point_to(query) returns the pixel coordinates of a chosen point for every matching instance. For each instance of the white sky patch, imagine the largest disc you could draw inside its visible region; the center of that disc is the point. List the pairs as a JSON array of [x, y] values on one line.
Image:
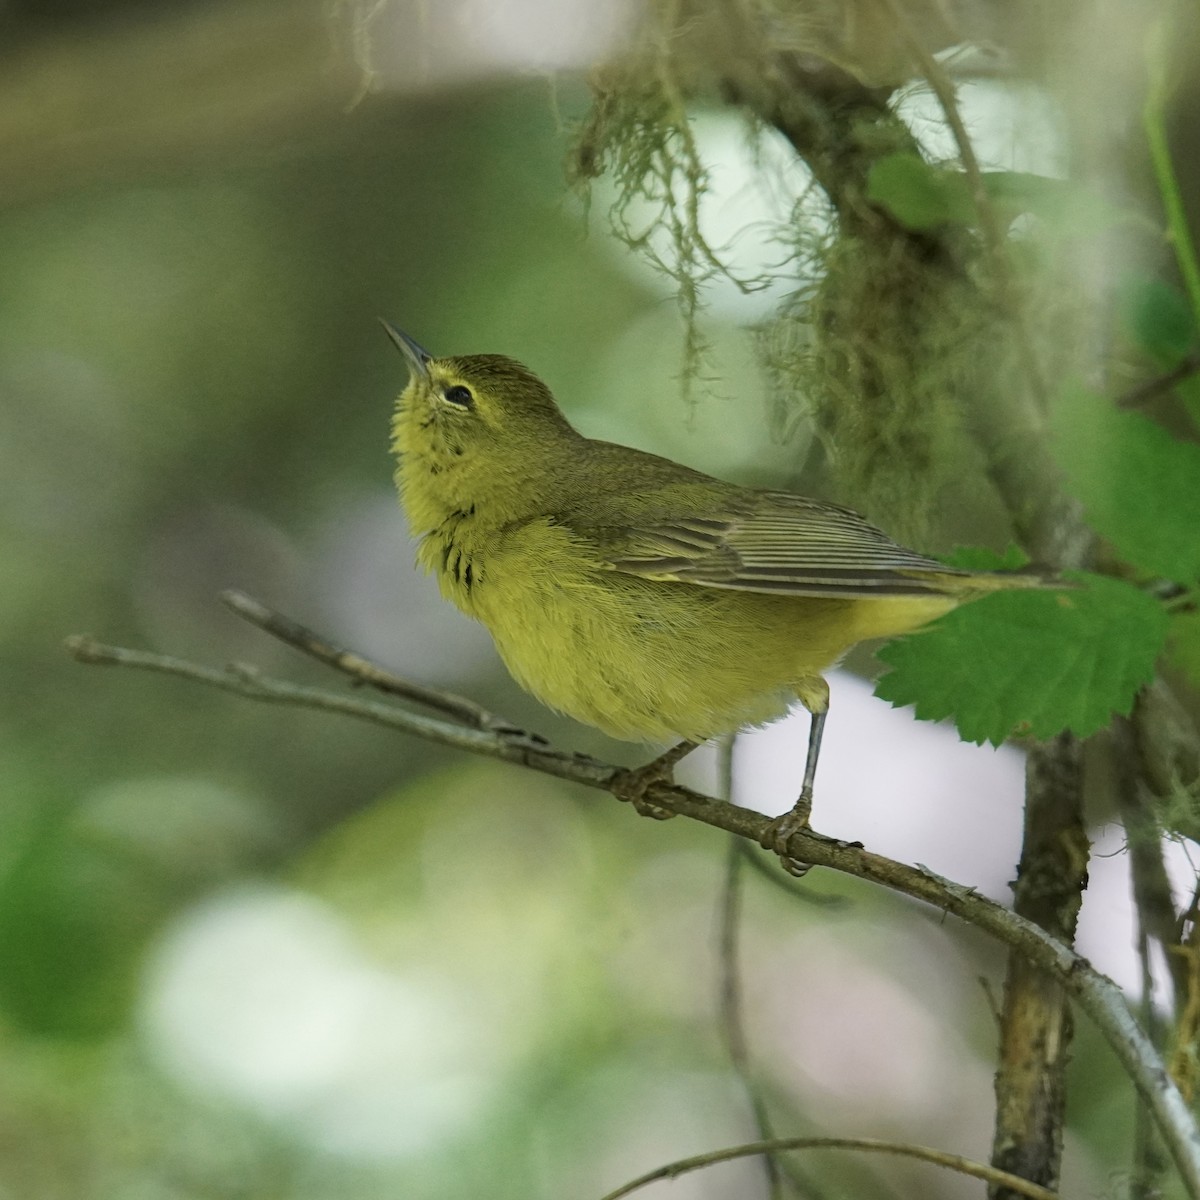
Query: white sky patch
[[1107, 933], [1013, 126], [753, 186], [415, 45], [543, 34], [911, 790]]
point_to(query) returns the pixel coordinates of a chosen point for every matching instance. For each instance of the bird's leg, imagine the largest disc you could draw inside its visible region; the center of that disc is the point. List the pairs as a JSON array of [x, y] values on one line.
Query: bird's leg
[[633, 785], [814, 697]]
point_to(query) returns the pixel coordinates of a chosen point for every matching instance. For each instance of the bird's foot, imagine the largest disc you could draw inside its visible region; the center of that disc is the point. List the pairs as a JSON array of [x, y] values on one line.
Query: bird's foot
[[779, 832], [633, 786], [777, 835]]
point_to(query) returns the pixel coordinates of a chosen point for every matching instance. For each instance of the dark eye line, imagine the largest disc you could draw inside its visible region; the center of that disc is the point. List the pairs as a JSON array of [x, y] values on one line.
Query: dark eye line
[[458, 395]]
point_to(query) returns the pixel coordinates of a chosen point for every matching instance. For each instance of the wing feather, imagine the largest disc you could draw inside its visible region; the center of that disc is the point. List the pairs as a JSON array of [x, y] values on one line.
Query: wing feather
[[776, 542]]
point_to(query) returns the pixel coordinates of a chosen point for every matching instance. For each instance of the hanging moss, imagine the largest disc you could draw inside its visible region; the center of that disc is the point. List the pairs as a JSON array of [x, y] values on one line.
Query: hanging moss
[[639, 134], [893, 333], [850, 349]]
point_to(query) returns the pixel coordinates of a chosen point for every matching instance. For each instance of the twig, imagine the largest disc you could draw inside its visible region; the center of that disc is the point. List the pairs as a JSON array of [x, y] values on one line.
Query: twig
[[1182, 1063], [360, 669], [1144, 392], [1154, 123], [1154, 903], [741, 855], [993, 234], [1149, 1164], [1097, 995], [1158, 923], [952, 1162], [730, 999], [248, 681]]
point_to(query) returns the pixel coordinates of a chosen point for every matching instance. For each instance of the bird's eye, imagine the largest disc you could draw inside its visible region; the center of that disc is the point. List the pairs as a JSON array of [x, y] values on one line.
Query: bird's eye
[[458, 395]]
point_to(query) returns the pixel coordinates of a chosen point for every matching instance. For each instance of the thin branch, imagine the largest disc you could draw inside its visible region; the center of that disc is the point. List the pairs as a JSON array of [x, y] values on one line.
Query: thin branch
[[1153, 899], [943, 88], [952, 1162], [1144, 392], [1149, 1163], [993, 233], [1154, 123], [360, 669], [245, 680], [730, 999], [732, 1025], [1096, 994], [1182, 1063]]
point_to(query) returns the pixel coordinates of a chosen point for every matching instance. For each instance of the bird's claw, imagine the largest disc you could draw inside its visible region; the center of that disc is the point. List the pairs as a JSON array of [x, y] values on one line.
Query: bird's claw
[[779, 832], [632, 787], [776, 837]]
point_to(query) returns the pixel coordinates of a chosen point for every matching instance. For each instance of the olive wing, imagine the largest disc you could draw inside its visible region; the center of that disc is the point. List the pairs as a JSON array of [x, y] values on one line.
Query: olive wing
[[776, 543]]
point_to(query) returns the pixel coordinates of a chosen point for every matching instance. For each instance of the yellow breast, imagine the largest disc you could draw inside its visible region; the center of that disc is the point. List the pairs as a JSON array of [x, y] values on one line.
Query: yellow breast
[[641, 659]]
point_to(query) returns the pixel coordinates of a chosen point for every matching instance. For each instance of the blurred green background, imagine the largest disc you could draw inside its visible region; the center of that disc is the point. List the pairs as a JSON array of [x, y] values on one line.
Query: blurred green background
[[256, 952]]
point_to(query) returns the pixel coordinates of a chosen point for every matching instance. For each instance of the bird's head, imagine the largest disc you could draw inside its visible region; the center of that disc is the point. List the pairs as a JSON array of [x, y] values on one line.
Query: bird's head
[[479, 403], [476, 430]]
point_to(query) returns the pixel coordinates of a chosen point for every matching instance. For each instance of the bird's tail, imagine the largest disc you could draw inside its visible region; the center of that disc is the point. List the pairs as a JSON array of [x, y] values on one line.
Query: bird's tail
[[979, 583]]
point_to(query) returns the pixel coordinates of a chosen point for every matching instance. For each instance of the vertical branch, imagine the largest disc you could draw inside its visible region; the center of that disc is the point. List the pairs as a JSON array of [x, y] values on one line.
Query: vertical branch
[[1035, 1034], [1151, 887], [1182, 1065], [731, 983], [1149, 1162], [1158, 924], [731, 1010], [1036, 1026], [1154, 124]]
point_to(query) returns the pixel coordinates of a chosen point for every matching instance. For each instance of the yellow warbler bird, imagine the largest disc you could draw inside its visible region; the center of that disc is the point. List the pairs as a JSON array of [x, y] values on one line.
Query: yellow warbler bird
[[632, 593]]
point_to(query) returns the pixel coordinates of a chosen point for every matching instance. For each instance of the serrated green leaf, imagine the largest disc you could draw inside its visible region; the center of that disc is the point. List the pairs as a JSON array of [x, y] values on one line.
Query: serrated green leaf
[[918, 195], [979, 558], [1184, 644], [1139, 485], [1037, 662], [1157, 318]]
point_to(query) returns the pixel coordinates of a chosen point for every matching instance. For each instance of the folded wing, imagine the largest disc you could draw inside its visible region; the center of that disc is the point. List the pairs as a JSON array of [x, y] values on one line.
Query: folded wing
[[776, 542]]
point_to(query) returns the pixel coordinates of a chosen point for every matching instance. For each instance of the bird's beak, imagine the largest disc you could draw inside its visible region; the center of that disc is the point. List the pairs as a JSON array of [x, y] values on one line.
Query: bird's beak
[[418, 359]]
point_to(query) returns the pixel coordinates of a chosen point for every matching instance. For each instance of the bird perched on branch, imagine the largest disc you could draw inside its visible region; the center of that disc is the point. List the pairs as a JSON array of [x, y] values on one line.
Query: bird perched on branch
[[633, 593]]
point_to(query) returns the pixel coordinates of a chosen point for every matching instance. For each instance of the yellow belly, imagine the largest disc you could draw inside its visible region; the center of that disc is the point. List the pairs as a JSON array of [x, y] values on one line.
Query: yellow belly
[[653, 661]]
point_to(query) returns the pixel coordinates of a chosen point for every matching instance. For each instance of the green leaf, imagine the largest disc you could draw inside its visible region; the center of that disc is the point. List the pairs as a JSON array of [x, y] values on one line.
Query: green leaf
[[918, 195], [922, 196], [1157, 318], [1037, 662], [979, 558], [1184, 647], [1139, 485], [1188, 390]]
